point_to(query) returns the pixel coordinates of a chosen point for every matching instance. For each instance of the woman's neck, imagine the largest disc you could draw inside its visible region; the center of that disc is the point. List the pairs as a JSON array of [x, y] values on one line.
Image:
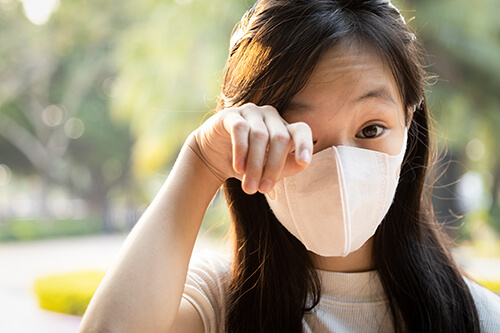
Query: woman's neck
[[357, 261]]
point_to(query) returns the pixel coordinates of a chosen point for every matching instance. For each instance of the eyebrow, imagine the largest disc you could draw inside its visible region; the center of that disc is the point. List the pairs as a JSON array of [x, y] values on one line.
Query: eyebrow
[[380, 93], [295, 106]]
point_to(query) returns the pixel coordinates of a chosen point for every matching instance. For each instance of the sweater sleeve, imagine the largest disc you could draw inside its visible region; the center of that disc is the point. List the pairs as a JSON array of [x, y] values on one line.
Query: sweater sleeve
[[205, 288], [488, 307]]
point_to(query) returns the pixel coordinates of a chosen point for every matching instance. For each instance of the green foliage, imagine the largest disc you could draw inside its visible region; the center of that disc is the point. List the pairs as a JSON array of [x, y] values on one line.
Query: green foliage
[[495, 217], [169, 69], [68, 293], [462, 42], [26, 230], [54, 117], [137, 77]]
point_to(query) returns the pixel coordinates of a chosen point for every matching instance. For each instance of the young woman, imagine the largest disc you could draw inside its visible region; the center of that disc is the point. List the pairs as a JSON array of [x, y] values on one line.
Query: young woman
[[322, 146]]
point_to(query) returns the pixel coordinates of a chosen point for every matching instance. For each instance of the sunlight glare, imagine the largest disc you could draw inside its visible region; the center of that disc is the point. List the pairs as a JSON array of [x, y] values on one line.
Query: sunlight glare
[[39, 11]]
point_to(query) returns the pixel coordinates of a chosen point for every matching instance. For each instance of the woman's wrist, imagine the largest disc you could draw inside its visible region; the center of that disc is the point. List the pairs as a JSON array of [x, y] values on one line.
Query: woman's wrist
[[197, 158]]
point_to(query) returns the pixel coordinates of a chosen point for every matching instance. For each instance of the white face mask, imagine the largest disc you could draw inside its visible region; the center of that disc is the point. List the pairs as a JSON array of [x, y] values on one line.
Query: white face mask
[[335, 205]]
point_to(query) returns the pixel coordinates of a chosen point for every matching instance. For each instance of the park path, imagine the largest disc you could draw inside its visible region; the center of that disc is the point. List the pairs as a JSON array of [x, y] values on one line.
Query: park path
[[22, 263]]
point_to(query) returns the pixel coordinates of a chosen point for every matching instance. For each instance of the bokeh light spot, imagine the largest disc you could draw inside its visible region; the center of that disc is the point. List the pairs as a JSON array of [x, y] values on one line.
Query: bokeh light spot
[[74, 128], [39, 11], [111, 86], [471, 191], [475, 150], [53, 115], [5, 175]]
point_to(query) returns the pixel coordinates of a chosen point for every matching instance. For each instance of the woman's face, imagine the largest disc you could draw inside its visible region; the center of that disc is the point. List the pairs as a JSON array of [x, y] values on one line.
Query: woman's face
[[351, 99]]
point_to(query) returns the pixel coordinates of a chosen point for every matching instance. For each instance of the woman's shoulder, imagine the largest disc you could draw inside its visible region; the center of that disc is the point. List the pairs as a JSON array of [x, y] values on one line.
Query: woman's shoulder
[[488, 306], [210, 263], [208, 273], [206, 285]]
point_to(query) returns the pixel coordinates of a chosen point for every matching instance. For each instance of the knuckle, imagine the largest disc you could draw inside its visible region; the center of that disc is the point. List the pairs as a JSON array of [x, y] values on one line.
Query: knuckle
[[302, 126], [281, 138], [259, 134], [301, 129], [248, 108], [226, 111], [224, 114], [268, 108], [240, 126]]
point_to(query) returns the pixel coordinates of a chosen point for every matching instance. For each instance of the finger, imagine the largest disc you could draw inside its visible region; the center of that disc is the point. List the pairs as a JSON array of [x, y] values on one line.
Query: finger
[[257, 148], [302, 139], [280, 142], [239, 129]]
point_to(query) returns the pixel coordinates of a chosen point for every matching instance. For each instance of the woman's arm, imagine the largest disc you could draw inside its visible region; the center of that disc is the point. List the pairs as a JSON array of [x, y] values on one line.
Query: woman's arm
[[142, 291]]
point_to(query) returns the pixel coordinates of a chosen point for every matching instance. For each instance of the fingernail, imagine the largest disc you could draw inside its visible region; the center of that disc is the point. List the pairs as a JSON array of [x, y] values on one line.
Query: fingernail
[[265, 185], [251, 185], [305, 155]]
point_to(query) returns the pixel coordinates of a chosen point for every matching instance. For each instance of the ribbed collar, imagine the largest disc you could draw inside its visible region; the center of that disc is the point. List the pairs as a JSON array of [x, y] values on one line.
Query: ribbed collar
[[351, 287]]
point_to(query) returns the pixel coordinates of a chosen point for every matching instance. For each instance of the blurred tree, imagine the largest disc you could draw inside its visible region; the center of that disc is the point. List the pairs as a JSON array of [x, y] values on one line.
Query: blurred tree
[[156, 64], [54, 100], [169, 68], [463, 42]]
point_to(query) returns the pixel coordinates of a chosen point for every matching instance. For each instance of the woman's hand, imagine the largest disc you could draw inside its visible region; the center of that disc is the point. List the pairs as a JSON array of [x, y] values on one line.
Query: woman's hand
[[253, 144]]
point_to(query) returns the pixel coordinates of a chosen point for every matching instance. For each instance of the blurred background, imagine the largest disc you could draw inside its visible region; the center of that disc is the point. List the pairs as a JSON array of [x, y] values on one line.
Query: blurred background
[[96, 98]]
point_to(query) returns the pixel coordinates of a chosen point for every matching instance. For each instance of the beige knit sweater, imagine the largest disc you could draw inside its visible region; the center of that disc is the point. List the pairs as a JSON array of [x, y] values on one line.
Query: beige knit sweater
[[350, 302]]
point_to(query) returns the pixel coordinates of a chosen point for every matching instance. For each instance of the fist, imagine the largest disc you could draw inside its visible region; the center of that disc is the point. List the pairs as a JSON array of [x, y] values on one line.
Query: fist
[[254, 144]]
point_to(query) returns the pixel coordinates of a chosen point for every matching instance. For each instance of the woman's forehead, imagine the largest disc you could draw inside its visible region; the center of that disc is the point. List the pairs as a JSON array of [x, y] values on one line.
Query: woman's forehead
[[347, 79], [354, 70]]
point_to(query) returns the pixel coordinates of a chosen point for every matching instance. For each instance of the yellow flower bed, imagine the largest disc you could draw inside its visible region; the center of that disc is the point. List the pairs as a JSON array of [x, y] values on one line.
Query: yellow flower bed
[[68, 293], [71, 293], [491, 284]]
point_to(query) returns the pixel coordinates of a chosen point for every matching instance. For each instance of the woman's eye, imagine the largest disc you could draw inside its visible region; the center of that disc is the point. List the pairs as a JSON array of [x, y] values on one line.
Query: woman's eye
[[370, 132]]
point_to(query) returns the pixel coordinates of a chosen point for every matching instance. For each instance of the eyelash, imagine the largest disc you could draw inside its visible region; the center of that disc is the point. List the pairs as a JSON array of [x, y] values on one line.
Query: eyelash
[[360, 134], [383, 128]]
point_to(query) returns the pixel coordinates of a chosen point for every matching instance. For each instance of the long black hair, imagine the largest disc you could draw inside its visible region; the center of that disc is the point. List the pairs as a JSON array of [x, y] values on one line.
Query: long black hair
[[274, 50]]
